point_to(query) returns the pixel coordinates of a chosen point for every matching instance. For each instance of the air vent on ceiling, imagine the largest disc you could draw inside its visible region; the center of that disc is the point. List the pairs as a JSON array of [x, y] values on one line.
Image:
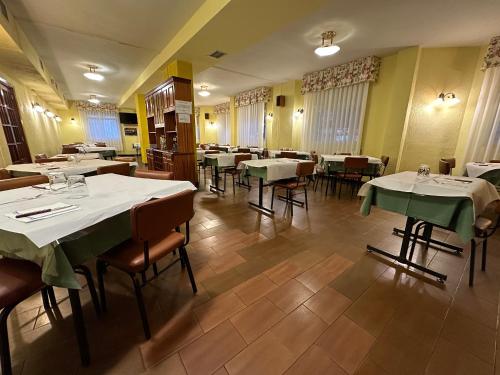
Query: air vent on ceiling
[[217, 54], [3, 8]]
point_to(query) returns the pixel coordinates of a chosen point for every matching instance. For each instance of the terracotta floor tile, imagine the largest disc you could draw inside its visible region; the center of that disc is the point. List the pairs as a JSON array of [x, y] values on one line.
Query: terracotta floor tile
[[451, 359], [283, 272], [265, 356], [212, 350], [290, 295], [315, 362], [226, 262], [172, 366], [323, 273], [299, 330], [256, 319], [218, 309], [255, 288], [370, 368], [221, 371], [328, 304], [346, 343]]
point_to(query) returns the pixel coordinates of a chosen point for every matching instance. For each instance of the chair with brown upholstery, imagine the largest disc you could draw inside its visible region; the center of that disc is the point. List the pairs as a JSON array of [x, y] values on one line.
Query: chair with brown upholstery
[[4, 174], [40, 156], [125, 159], [304, 170], [353, 173], [446, 165], [50, 160], [20, 279], [152, 240], [344, 153], [288, 154], [244, 150], [234, 171], [494, 161], [120, 168], [265, 154], [155, 175], [383, 166], [100, 144], [69, 150], [19, 182]]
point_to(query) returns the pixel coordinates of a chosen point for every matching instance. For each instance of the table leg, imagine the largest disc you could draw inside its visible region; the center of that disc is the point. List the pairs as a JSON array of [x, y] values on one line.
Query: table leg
[[260, 206], [81, 334], [430, 242], [403, 253], [216, 188]]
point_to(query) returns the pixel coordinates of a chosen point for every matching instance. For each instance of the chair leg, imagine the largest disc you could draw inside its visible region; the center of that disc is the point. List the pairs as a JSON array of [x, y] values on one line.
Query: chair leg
[[305, 195], [52, 296], [155, 269], [340, 188], [472, 261], [484, 253], [45, 299], [234, 185], [225, 178], [101, 269], [4, 342], [142, 307], [183, 253], [327, 184], [272, 198], [290, 198]]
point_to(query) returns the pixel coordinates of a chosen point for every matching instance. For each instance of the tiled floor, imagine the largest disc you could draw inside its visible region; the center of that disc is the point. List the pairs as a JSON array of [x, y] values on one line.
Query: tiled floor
[[276, 296]]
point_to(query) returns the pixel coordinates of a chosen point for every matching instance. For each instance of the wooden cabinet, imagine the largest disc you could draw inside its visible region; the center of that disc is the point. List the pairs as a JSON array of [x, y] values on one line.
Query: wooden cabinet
[[171, 137]]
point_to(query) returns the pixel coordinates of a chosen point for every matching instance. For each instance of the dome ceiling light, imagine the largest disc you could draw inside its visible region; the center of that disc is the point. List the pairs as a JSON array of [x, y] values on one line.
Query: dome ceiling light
[[327, 47], [92, 75], [204, 91]]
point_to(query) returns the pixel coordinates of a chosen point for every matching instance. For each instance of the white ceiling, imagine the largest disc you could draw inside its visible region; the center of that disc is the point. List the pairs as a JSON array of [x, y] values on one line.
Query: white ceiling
[[377, 27], [119, 36]]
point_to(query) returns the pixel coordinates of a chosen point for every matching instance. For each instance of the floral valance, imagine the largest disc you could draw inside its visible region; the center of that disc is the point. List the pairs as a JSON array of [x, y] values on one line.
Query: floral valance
[[100, 107], [258, 95], [351, 73], [492, 57], [221, 108]]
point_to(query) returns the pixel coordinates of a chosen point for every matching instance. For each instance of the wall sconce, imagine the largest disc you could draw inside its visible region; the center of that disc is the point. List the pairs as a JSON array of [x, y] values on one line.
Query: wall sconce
[[269, 116], [72, 119], [298, 113], [449, 99], [49, 114], [212, 123], [58, 118], [38, 108]]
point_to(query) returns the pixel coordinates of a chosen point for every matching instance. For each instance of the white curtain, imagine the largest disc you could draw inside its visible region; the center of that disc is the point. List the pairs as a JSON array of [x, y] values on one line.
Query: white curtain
[[333, 119], [251, 125], [484, 136], [197, 126], [102, 126], [223, 129]]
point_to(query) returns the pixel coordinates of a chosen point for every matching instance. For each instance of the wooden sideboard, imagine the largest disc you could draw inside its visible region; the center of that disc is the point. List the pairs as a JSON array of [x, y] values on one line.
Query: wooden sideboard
[[167, 108]]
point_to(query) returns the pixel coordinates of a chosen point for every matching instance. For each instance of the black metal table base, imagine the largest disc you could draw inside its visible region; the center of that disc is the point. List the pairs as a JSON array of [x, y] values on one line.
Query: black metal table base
[[260, 206], [81, 334], [215, 188], [432, 243]]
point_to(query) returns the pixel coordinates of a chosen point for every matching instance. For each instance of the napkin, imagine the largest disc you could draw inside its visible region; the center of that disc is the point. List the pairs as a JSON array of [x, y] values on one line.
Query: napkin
[[57, 209]]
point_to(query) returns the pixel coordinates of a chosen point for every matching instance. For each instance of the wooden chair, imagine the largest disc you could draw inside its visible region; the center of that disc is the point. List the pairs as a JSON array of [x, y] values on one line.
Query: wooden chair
[[40, 156], [244, 150], [304, 169], [4, 174], [353, 173], [69, 150], [344, 153], [494, 161], [446, 165], [122, 168], [20, 279], [100, 144], [383, 167], [125, 159], [19, 182], [155, 175], [234, 171], [50, 160], [289, 154], [265, 154], [155, 234]]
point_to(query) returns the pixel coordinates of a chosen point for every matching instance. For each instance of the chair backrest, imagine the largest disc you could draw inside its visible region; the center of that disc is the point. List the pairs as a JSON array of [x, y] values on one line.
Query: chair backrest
[[121, 168], [50, 160], [41, 156], [69, 150], [351, 163], [244, 150], [265, 153], [100, 144], [385, 160], [213, 148], [305, 169], [315, 158], [344, 153], [444, 167], [157, 218], [494, 161], [289, 154], [4, 174], [128, 159], [155, 175], [450, 161], [239, 158], [19, 182]]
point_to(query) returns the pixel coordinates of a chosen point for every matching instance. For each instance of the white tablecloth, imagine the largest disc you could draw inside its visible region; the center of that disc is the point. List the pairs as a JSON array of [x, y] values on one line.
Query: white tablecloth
[[200, 154], [273, 153], [109, 195], [341, 158], [480, 191], [69, 168], [93, 155], [226, 160], [478, 169], [95, 148], [275, 169]]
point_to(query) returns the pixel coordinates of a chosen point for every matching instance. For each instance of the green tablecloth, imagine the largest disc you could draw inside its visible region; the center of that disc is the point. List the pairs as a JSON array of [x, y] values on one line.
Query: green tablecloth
[[57, 259], [455, 213], [492, 177], [338, 166]]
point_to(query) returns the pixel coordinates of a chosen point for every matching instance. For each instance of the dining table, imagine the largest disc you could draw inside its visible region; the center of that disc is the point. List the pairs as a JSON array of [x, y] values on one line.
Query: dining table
[[70, 168], [92, 155], [488, 171], [303, 155], [335, 163], [105, 151], [448, 202], [60, 240], [267, 171], [220, 161]]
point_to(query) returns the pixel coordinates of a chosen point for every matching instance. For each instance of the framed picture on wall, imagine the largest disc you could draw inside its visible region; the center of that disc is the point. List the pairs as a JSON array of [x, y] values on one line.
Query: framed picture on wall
[[130, 131]]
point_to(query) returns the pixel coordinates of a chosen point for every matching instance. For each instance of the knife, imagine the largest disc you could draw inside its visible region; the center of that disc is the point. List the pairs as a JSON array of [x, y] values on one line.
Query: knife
[[18, 216]]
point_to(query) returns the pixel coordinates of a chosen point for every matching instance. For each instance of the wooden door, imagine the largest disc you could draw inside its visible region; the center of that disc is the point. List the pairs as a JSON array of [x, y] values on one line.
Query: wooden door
[[12, 126]]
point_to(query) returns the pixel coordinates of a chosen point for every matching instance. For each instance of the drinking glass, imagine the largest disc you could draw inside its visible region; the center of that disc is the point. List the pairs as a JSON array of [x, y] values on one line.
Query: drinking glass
[[77, 187], [57, 181]]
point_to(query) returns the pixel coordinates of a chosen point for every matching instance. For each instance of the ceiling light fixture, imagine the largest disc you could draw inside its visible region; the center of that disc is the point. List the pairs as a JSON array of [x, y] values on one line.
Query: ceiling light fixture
[[448, 99], [92, 75], [93, 99], [204, 91], [49, 114], [58, 118], [37, 107], [327, 47]]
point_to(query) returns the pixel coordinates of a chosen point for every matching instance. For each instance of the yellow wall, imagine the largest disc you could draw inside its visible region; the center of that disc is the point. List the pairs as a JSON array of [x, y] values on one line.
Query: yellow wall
[[71, 126], [208, 132], [42, 133], [432, 132]]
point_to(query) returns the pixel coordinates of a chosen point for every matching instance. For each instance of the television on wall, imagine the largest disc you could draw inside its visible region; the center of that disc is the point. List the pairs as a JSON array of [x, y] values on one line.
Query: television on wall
[[128, 118]]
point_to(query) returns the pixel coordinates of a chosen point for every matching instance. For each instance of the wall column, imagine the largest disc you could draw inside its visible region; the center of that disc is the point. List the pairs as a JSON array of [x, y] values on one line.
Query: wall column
[[142, 124]]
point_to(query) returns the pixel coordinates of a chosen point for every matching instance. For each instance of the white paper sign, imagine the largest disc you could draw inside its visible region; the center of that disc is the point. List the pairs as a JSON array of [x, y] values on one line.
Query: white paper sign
[[185, 119], [182, 106]]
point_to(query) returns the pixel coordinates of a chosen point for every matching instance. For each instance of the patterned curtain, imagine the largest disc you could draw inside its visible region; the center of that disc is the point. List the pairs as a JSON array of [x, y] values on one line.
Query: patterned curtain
[[221, 108], [492, 58], [357, 71], [258, 95]]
